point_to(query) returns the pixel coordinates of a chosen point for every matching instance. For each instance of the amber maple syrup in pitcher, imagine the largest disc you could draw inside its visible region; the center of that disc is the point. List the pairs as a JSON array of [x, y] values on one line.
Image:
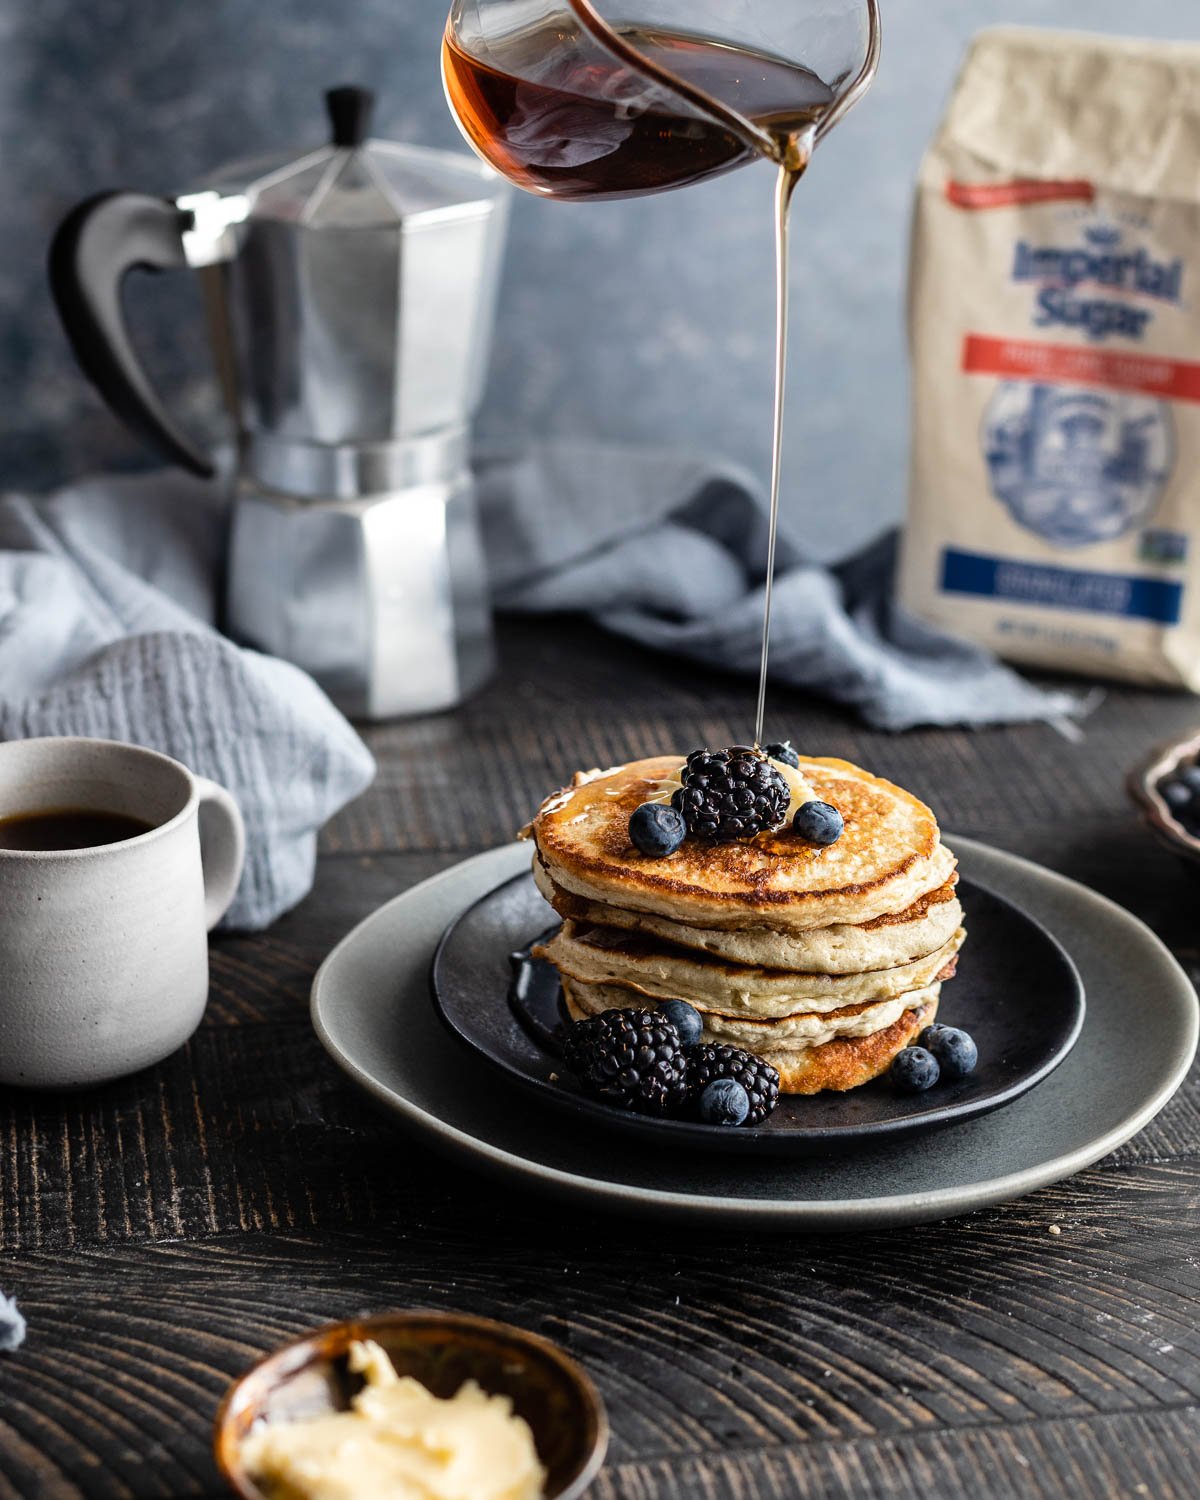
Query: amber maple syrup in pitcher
[[564, 115], [555, 114]]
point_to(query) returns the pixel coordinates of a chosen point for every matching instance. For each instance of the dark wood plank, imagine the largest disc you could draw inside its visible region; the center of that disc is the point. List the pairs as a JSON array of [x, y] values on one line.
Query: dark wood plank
[[267, 976], [712, 1352], [164, 1231], [1123, 1457]]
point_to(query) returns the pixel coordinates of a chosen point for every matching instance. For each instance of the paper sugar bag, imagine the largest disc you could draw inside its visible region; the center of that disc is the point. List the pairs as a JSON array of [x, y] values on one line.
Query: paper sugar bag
[[1054, 315]]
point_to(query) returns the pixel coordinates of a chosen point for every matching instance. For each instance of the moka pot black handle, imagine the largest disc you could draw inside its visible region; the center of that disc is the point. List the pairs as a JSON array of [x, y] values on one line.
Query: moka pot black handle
[[93, 250]]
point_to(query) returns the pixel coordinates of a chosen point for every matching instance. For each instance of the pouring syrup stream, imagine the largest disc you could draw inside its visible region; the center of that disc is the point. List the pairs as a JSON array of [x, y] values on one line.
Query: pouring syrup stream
[[792, 149], [793, 157], [791, 169], [523, 103]]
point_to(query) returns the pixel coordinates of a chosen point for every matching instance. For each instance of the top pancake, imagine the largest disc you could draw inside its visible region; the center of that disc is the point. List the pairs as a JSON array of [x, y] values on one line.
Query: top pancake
[[883, 862]]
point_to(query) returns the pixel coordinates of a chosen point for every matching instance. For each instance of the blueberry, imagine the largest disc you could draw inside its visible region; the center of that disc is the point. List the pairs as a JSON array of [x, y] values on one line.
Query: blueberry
[[1190, 776], [656, 829], [783, 753], [724, 1102], [927, 1036], [685, 1018], [819, 823], [914, 1070], [1176, 794], [955, 1051]]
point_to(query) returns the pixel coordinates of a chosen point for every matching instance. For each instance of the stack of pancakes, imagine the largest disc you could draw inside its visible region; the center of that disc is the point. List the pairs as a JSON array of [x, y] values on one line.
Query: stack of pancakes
[[825, 961]]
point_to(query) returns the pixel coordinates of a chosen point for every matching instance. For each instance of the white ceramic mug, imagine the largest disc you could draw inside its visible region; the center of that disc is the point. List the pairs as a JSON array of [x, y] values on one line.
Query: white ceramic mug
[[104, 950]]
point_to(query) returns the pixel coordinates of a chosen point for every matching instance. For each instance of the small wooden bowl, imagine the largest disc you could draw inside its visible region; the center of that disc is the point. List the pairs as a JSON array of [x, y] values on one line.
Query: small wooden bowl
[[310, 1377], [1143, 785]]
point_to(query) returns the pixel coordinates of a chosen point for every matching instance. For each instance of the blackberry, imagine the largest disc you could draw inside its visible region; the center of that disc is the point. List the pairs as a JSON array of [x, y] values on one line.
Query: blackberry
[[731, 794], [630, 1058], [760, 1080]]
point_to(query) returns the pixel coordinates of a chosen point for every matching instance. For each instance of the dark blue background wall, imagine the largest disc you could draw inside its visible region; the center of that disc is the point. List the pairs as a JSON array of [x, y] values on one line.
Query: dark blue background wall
[[648, 320]]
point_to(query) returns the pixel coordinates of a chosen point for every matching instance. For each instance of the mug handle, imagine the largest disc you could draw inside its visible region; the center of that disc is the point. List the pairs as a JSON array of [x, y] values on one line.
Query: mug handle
[[222, 848]]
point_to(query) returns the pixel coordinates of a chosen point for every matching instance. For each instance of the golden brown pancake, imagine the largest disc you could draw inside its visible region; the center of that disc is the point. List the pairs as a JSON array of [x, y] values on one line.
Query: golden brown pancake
[[793, 1033], [885, 860], [844, 948], [849, 1062], [605, 955]]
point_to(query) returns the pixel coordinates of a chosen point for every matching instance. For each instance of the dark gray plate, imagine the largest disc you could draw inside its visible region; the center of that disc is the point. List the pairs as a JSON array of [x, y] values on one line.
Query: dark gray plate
[[371, 1010], [1016, 992]]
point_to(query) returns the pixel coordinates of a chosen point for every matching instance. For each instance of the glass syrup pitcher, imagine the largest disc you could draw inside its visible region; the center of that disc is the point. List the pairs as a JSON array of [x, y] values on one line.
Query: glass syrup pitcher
[[595, 99], [568, 100]]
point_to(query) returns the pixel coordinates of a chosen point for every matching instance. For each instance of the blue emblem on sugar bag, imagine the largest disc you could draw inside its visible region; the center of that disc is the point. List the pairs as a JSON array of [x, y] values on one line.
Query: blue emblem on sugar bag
[[1077, 466]]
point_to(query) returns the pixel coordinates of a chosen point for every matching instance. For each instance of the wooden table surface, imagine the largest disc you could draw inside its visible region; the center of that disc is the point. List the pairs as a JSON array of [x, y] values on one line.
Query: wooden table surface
[[163, 1232]]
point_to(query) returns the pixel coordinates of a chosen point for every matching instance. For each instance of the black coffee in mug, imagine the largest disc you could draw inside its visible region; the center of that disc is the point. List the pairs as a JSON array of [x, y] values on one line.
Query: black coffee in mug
[[67, 828]]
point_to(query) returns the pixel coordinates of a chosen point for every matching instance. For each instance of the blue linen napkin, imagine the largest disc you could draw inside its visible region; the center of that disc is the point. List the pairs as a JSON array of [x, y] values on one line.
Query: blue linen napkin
[[672, 552], [108, 598], [12, 1325]]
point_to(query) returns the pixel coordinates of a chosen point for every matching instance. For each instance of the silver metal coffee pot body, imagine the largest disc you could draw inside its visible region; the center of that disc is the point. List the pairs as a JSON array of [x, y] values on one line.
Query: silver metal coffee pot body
[[351, 297]]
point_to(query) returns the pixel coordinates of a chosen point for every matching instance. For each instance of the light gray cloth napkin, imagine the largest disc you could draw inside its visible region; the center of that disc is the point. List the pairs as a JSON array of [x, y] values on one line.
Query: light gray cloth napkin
[[12, 1325], [672, 553], [108, 594], [108, 604]]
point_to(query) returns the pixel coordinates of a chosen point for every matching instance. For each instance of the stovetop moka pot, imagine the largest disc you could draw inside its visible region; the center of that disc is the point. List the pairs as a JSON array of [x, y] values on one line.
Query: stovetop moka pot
[[351, 294]]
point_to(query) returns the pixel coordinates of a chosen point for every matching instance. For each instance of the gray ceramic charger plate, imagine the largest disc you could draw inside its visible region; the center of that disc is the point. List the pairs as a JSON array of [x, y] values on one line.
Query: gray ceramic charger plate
[[372, 1011]]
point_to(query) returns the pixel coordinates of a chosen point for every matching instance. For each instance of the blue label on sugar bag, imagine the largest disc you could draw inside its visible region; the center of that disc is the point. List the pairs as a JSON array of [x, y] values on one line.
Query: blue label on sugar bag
[[1157, 599]]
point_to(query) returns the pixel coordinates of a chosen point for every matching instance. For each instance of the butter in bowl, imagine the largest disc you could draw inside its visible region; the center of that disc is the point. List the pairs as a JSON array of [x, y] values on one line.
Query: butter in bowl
[[413, 1406]]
